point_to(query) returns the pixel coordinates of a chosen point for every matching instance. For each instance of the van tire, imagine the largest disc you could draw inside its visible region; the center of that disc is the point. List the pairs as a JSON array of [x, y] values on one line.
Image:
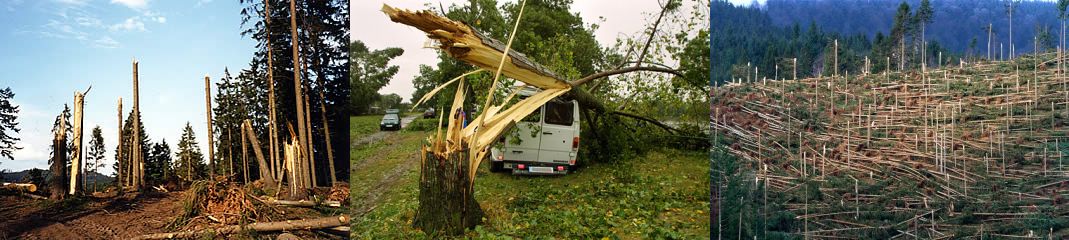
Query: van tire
[[497, 166]]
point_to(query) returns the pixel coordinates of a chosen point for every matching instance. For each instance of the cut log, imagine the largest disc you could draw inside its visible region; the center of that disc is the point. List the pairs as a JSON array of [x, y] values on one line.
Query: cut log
[[306, 224], [28, 187]]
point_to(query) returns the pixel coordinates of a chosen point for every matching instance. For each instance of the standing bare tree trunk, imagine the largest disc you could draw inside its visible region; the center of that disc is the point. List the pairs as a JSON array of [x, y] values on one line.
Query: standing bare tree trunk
[[273, 127], [208, 114], [59, 162], [304, 152], [76, 160], [326, 133], [118, 155], [302, 133], [135, 145], [244, 159], [311, 146]]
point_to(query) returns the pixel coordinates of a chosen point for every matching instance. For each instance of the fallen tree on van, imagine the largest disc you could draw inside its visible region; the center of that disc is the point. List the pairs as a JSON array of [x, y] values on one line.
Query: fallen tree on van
[[450, 157]]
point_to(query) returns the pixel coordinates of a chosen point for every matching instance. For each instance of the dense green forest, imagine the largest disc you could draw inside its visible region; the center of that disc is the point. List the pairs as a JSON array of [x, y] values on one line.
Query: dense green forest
[[954, 22], [769, 37]]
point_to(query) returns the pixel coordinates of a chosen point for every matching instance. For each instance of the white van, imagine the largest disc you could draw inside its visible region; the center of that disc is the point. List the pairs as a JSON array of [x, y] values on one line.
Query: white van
[[548, 142]]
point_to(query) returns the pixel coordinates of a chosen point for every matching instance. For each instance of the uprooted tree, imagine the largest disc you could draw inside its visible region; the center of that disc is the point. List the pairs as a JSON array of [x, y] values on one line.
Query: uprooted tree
[[450, 157]]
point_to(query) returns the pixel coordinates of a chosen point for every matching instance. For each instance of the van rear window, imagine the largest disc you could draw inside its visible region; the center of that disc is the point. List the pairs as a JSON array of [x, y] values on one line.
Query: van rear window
[[559, 113]]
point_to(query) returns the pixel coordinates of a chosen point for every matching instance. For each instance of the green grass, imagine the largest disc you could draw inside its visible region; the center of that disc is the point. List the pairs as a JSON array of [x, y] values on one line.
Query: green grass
[[661, 194], [360, 126]]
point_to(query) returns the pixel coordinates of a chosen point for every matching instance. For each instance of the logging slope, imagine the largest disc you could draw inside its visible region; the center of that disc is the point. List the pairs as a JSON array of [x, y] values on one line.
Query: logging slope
[[961, 151]]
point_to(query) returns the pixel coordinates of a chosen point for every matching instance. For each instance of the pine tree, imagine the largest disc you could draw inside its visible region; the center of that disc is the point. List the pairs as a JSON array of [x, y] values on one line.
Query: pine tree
[[66, 117], [190, 162], [9, 113], [158, 165], [95, 155], [124, 160]]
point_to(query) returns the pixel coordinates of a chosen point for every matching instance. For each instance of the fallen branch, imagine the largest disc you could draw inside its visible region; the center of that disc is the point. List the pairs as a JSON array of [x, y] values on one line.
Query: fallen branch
[[305, 224]]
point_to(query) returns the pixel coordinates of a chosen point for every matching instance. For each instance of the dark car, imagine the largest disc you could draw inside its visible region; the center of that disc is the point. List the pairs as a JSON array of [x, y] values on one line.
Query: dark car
[[429, 113], [390, 122]]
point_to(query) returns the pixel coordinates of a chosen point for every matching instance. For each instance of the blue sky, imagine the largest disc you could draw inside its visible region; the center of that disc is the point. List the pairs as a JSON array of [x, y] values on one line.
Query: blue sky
[[51, 48]]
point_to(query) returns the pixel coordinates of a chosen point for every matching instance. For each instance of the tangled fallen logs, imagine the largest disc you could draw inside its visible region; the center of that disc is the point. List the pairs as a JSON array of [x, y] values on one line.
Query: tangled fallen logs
[[933, 146], [306, 224]]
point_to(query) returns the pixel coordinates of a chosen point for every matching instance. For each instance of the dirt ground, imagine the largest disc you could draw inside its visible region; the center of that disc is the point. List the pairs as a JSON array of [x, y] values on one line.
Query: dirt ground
[[119, 218]]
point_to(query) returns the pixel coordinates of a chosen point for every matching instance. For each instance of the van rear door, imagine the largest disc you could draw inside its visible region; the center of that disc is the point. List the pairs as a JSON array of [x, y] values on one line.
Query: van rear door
[[557, 132], [529, 138]]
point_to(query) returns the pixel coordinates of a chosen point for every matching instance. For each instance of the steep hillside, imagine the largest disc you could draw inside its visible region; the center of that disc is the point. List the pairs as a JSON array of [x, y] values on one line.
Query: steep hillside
[[963, 151]]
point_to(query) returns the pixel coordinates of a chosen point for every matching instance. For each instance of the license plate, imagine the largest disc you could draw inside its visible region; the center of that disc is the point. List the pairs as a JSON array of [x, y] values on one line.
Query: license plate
[[541, 170]]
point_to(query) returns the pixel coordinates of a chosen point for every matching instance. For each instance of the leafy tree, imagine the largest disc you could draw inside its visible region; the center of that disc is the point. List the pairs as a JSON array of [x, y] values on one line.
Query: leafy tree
[[390, 101], [9, 113], [95, 156], [190, 163], [370, 72]]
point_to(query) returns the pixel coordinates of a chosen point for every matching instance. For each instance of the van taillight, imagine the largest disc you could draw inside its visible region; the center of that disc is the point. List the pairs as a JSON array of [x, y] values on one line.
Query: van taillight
[[575, 143], [521, 166], [560, 168]]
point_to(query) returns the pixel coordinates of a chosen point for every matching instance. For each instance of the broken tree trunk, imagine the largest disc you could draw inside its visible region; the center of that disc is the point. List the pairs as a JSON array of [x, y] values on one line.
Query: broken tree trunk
[[302, 133], [76, 160], [446, 199], [305, 224], [59, 162]]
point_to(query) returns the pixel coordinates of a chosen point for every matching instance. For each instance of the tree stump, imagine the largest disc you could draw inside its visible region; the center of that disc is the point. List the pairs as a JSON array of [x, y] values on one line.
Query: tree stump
[[447, 203]]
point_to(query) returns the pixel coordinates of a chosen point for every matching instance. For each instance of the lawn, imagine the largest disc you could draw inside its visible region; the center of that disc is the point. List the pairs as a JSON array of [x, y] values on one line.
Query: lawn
[[660, 194]]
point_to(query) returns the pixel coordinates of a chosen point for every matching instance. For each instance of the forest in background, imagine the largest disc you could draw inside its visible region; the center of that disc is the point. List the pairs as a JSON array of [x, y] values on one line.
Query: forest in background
[[778, 31]]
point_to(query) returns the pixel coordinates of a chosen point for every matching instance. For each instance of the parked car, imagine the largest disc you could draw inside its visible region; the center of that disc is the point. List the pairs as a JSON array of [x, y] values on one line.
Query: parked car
[[429, 113], [548, 142], [391, 121]]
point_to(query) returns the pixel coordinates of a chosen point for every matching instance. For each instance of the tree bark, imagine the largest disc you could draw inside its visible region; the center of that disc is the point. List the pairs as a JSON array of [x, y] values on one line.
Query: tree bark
[[59, 163], [446, 196]]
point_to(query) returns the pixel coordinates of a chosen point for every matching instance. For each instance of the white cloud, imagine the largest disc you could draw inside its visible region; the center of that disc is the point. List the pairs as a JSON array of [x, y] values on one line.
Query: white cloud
[[134, 4], [87, 21], [130, 24], [161, 19], [73, 2], [106, 42], [202, 2]]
